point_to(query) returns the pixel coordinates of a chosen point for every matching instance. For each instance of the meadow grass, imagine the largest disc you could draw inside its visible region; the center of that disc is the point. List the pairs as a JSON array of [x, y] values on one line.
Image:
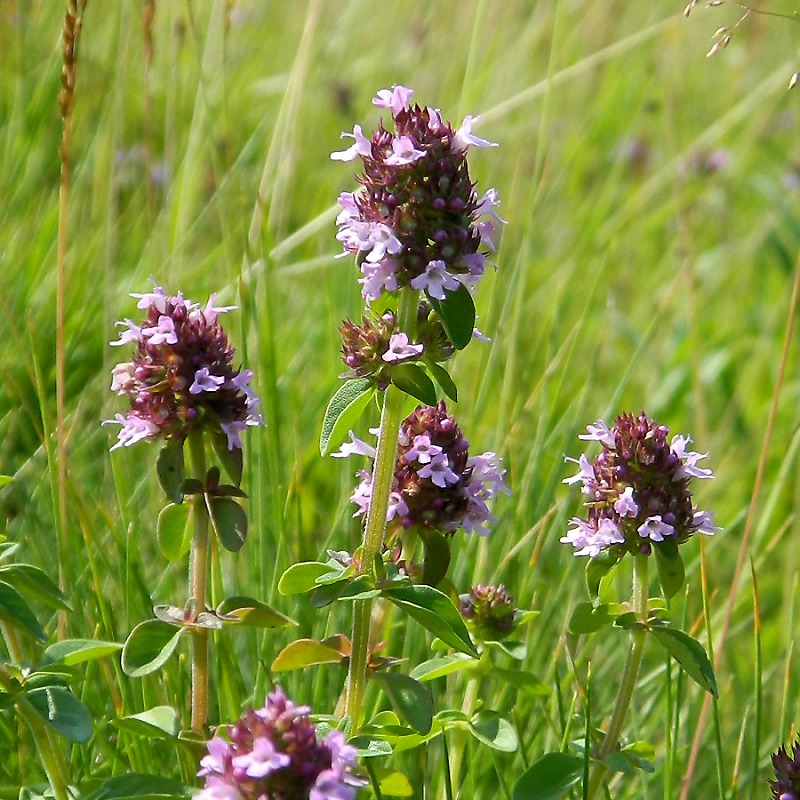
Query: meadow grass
[[654, 222]]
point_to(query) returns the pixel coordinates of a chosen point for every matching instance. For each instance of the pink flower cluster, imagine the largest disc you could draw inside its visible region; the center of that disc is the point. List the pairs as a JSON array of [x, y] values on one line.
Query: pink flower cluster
[[436, 484], [273, 754], [181, 376], [637, 489], [417, 219]]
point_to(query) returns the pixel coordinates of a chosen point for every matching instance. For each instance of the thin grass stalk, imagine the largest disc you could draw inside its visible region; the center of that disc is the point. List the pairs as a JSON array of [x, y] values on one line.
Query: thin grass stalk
[[758, 674], [629, 674], [148, 15], [73, 23], [748, 528], [198, 572], [375, 528]]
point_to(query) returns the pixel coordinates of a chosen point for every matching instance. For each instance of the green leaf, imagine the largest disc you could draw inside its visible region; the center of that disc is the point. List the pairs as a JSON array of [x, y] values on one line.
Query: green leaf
[[690, 655], [439, 667], [491, 729], [35, 583], [148, 646], [343, 410], [670, 566], [63, 712], [232, 460], [523, 681], [442, 377], [14, 610], [411, 379], [437, 556], [305, 653], [588, 618], [597, 569], [367, 747], [301, 578], [139, 786], [253, 613], [5, 480], [457, 312], [436, 612], [550, 778], [410, 699], [161, 722], [393, 783], [77, 651], [326, 593], [516, 650], [229, 522], [362, 587], [169, 467], [174, 530]]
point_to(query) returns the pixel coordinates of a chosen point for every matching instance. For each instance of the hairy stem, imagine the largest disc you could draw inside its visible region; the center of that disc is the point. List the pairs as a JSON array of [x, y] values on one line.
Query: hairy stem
[[375, 529], [198, 571], [629, 675]]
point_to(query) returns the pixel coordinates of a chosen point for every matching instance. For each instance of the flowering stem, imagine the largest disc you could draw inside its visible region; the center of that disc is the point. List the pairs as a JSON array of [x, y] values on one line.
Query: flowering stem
[[198, 569], [375, 529], [629, 675]]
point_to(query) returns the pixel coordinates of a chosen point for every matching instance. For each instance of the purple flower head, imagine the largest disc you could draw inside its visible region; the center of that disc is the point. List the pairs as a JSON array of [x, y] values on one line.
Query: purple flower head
[[371, 349], [786, 785], [181, 376], [637, 489], [274, 754], [417, 219], [489, 610], [437, 484]]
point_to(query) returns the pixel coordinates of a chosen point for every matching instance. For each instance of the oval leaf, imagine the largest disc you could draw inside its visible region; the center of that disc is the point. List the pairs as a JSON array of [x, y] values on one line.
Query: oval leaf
[[149, 645], [76, 651], [33, 582], [161, 722], [301, 578], [63, 712], [393, 783], [597, 569], [229, 522], [231, 459], [411, 379], [304, 653], [174, 531], [523, 681], [669, 564], [343, 411], [439, 667], [442, 377], [550, 778], [491, 729], [690, 655], [169, 467], [15, 610], [410, 699], [437, 556], [254, 613], [457, 312], [436, 612], [139, 786], [587, 618]]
